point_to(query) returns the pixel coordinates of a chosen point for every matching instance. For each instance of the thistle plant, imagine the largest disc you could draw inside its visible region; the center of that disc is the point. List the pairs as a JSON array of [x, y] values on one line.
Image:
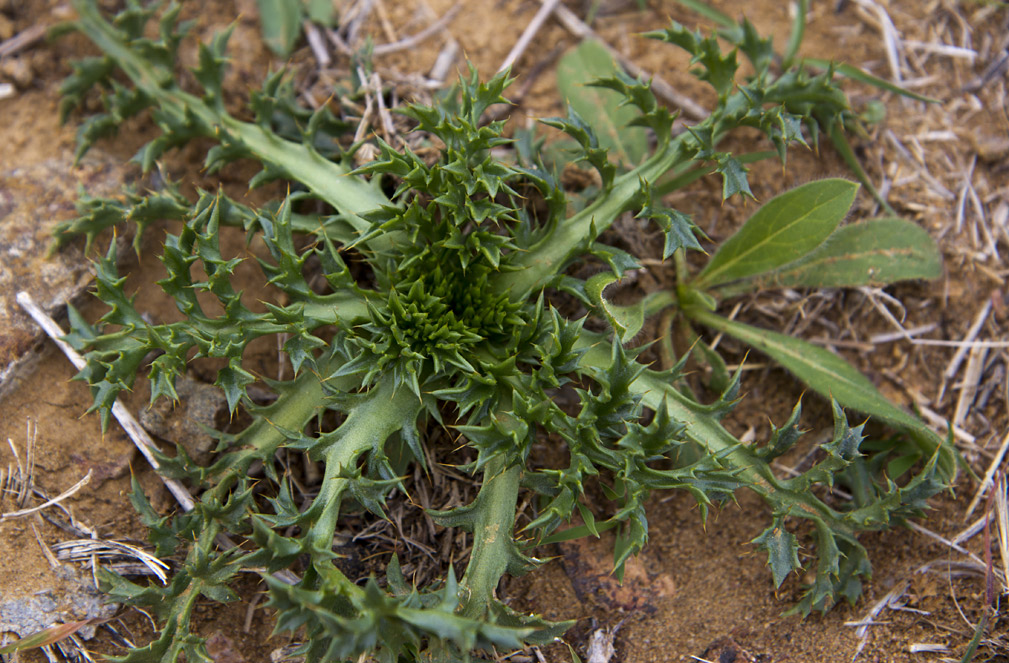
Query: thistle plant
[[453, 324]]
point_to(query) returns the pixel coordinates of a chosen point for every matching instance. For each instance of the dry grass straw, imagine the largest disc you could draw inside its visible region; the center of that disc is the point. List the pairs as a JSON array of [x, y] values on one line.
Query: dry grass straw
[[56, 500], [895, 599], [413, 40], [141, 439], [986, 483], [120, 557], [877, 16], [23, 40], [998, 510], [526, 38], [20, 481]]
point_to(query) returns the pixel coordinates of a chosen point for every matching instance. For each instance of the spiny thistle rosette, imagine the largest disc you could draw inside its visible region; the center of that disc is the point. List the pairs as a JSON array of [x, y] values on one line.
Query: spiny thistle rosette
[[453, 322]]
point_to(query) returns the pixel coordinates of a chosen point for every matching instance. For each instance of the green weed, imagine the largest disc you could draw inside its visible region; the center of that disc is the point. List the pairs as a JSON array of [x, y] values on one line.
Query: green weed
[[453, 324]]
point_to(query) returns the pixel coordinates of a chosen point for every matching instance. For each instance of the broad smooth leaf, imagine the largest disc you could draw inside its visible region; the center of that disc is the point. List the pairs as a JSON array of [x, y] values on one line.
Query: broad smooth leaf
[[832, 377], [784, 230], [320, 11], [599, 107], [280, 22], [873, 253]]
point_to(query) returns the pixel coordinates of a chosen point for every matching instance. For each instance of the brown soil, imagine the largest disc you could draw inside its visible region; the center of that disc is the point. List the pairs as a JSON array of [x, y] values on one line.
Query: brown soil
[[693, 585]]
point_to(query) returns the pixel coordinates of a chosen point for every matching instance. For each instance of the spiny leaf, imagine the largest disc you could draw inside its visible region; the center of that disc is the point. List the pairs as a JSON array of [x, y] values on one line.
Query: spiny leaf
[[600, 108], [586, 137], [451, 310], [734, 179], [782, 551], [677, 227], [784, 438], [758, 50], [717, 69], [233, 379]]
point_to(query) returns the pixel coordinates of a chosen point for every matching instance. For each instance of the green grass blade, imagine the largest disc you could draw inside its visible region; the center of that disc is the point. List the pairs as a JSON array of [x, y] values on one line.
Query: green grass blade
[[873, 253], [856, 74], [843, 148], [674, 181], [784, 230], [708, 12], [798, 32], [832, 377]]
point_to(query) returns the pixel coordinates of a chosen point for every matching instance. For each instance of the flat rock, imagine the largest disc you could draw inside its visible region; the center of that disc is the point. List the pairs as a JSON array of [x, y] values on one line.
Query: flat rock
[[73, 598], [33, 199]]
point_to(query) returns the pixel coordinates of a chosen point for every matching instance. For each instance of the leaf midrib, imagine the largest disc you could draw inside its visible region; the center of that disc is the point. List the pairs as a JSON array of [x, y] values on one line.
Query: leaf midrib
[[711, 278]]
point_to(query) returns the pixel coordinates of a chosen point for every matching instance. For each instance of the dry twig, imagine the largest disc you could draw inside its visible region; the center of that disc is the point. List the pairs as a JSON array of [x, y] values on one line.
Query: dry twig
[[526, 38], [126, 419], [56, 500], [23, 40], [83, 550], [660, 86], [418, 37], [986, 483], [954, 363], [137, 434]]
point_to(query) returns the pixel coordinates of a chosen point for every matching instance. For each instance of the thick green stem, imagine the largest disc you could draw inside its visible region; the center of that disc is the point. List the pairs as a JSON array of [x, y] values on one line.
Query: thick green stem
[[385, 411], [299, 401], [534, 268], [833, 378], [330, 181], [492, 537], [657, 302], [709, 433], [346, 308]]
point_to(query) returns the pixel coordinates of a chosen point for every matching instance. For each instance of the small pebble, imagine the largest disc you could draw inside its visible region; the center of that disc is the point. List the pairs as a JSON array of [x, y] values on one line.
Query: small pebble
[[18, 70], [6, 28]]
